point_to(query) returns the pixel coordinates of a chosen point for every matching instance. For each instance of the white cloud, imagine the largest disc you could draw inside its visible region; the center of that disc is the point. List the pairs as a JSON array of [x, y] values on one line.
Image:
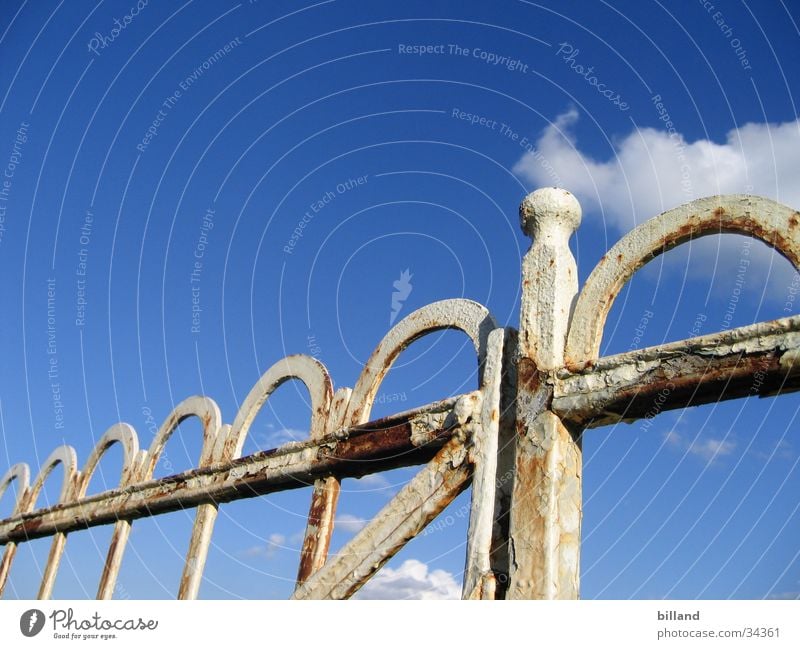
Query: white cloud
[[782, 451], [652, 171], [709, 449], [648, 173], [373, 481], [273, 543], [412, 580], [273, 438], [349, 523]]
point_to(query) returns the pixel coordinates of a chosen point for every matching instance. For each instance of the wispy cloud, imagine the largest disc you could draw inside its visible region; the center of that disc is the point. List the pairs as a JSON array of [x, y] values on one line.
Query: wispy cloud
[[787, 595], [783, 451], [268, 549], [349, 523], [412, 580], [275, 437], [708, 448]]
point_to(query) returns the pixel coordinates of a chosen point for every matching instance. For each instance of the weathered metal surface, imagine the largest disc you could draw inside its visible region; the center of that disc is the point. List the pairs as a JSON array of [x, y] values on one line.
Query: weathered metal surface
[[757, 360], [22, 474], [776, 225], [506, 466], [544, 536], [319, 527], [417, 504], [195, 563], [352, 452], [546, 513], [324, 499], [113, 563], [5, 564], [479, 580]]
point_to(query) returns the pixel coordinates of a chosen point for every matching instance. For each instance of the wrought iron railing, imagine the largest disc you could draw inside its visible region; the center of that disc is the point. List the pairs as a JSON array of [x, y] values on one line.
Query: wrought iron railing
[[516, 439]]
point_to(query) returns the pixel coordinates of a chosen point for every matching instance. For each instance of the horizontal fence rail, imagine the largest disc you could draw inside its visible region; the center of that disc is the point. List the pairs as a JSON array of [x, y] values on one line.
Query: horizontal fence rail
[[516, 439], [401, 440]]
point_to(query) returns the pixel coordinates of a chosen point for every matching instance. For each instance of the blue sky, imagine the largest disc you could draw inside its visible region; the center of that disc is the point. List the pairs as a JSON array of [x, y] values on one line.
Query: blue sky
[[402, 136]]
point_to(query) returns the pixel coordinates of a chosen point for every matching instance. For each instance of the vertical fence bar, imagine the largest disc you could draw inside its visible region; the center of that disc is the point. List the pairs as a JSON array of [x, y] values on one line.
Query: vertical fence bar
[[52, 565], [203, 527], [64, 455], [21, 473], [119, 539], [506, 465], [324, 499], [198, 551], [479, 580], [546, 499]]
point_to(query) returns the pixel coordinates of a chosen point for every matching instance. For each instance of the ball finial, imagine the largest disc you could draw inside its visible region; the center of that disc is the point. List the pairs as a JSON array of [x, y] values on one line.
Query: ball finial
[[547, 208]]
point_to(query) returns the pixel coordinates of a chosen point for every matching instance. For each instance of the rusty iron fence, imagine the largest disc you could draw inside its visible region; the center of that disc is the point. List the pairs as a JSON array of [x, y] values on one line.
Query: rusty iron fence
[[516, 439]]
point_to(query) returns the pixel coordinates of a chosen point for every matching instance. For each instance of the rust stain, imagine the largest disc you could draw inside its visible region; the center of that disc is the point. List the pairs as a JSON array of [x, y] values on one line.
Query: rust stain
[[112, 548], [319, 528], [27, 528], [528, 377]]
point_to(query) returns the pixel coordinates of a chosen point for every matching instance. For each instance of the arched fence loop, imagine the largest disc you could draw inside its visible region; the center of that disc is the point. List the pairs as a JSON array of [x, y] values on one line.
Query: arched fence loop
[[306, 369], [204, 409], [776, 225], [125, 436], [468, 316], [132, 458], [516, 438], [22, 474], [65, 456], [207, 411]]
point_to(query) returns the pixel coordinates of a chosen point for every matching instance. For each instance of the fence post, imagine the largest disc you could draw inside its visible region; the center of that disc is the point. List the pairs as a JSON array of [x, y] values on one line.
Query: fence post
[[546, 500]]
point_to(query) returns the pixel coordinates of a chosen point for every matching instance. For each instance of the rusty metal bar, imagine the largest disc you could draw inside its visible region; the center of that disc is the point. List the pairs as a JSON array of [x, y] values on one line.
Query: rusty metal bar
[[417, 504], [116, 548], [195, 563], [5, 564], [758, 360], [52, 565], [324, 499], [319, 527], [405, 439]]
